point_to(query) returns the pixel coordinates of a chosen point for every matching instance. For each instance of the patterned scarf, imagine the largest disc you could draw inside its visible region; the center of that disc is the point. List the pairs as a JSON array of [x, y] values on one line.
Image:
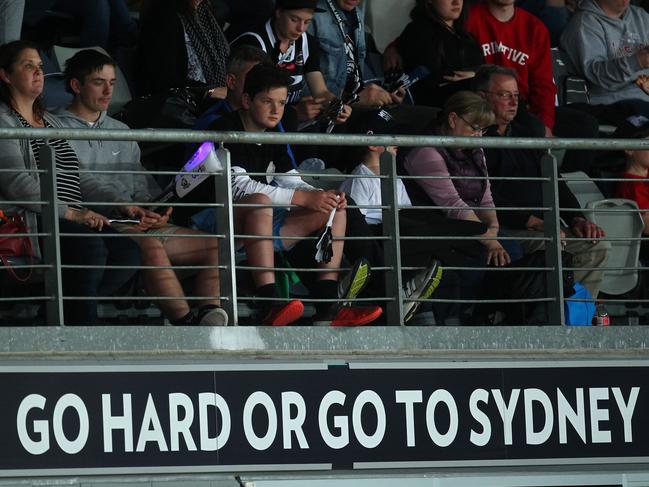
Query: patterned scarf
[[208, 41], [354, 84]]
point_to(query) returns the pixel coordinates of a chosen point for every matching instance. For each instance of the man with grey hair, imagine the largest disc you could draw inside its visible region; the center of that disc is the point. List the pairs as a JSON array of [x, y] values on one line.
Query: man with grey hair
[[499, 86]]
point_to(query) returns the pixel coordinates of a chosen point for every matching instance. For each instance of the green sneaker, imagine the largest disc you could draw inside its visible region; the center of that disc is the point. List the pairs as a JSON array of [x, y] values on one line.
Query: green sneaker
[[354, 282]]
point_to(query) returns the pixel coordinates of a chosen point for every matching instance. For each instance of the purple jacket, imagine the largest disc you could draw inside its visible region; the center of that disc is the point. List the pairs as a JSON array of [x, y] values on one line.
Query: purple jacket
[[457, 193]]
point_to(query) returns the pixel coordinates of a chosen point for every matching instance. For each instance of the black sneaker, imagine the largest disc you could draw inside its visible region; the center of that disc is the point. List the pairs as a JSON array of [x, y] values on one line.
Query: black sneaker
[[350, 286], [421, 286]]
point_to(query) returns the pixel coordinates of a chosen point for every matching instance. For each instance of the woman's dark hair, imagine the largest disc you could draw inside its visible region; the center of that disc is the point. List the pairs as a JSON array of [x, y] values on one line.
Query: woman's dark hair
[[9, 54], [425, 9]]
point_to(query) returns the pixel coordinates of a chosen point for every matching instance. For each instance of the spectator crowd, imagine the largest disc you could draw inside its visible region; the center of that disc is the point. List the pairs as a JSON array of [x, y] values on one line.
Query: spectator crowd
[[457, 69]]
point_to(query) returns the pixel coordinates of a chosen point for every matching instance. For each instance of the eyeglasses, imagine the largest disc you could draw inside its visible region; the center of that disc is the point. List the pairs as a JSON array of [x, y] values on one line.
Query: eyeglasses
[[505, 95], [477, 130]]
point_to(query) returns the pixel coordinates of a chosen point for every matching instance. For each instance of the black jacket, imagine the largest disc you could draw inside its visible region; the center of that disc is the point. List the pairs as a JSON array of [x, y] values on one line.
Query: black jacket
[[522, 163], [161, 50], [427, 43]]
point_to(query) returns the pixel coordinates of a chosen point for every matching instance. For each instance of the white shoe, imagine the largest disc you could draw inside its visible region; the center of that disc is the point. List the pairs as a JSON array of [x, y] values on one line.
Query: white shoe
[[213, 316]]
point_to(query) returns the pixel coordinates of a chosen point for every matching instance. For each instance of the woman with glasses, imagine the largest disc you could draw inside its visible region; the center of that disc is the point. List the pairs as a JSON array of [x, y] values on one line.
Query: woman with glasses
[[465, 114], [436, 39]]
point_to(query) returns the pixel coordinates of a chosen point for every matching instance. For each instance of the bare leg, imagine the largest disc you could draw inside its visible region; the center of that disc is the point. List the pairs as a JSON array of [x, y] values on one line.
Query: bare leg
[[162, 282], [203, 251], [257, 221]]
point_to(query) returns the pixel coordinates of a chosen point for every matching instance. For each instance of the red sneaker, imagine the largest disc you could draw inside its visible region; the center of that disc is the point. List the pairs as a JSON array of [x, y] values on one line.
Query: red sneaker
[[284, 314], [348, 316]]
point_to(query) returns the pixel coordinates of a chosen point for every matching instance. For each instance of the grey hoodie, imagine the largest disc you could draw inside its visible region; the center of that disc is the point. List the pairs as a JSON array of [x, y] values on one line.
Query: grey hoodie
[[110, 155], [602, 50]]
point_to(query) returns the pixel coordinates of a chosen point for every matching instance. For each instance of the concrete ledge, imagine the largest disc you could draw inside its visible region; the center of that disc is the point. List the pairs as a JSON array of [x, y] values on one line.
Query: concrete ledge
[[266, 342]]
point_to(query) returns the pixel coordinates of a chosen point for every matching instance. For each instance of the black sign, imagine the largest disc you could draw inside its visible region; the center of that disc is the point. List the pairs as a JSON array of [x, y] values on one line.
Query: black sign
[[211, 418]]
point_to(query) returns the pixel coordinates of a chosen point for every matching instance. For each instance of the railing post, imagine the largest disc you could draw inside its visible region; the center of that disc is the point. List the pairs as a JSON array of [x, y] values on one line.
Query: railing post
[[225, 225], [51, 249], [390, 198], [552, 229]]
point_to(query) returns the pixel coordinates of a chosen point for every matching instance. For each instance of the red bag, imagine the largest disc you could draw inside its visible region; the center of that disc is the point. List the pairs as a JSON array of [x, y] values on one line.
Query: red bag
[[15, 246]]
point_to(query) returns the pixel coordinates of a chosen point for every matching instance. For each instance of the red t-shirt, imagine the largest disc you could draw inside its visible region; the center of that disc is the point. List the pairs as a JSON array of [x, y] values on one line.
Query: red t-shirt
[[637, 191], [523, 44]]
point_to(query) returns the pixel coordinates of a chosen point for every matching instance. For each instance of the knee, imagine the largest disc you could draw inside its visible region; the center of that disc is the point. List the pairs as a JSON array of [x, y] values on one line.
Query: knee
[[152, 251], [592, 255], [602, 249], [261, 199], [209, 244]]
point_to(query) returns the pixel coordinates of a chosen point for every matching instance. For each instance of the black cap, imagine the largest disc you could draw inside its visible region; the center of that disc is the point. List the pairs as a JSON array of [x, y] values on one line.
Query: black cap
[[297, 4], [635, 127], [382, 123]]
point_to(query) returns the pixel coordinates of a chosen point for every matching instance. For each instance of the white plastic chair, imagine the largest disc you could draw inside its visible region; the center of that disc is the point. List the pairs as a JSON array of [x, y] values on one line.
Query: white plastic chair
[[627, 224], [618, 225], [583, 187], [121, 94]]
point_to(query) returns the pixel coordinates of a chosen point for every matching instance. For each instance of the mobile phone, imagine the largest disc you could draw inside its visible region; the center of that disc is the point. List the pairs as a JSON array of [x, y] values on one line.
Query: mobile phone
[[127, 221]]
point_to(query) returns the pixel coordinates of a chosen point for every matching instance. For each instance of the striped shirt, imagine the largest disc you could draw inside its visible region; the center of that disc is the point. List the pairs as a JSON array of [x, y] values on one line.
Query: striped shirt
[[301, 58], [68, 184]]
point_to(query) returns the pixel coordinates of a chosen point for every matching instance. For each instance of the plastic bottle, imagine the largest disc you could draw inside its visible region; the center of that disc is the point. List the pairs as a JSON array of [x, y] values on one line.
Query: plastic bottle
[[601, 317]]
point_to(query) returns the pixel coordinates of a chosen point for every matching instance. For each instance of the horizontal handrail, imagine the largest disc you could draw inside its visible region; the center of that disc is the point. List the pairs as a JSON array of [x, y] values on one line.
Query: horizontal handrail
[[164, 135]]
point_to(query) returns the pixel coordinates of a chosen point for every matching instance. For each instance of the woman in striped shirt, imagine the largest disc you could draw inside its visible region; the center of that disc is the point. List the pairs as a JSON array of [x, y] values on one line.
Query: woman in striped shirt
[[91, 252]]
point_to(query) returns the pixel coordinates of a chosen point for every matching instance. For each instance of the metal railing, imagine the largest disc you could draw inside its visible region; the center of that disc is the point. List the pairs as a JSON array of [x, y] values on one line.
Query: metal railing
[[392, 300]]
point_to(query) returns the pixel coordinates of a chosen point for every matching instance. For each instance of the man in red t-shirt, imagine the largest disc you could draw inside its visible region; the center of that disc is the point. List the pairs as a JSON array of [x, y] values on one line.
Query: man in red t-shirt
[[514, 38]]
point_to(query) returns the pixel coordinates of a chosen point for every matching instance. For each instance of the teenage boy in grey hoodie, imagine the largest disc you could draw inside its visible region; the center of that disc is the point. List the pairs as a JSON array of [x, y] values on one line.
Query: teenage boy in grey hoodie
[[90, 76], [607, 43]]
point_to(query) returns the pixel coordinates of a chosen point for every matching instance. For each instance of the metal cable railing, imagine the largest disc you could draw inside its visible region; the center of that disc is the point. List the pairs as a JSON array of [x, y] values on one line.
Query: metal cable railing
[[51, 267]]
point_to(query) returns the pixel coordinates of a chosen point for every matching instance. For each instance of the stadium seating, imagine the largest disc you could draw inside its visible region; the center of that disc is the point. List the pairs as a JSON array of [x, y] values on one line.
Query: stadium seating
[[624, 224], [121, 95], [620, 225]]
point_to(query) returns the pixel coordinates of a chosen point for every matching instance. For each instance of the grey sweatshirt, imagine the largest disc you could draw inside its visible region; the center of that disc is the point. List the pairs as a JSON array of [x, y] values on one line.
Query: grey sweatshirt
[[602, 50], [110, 155]]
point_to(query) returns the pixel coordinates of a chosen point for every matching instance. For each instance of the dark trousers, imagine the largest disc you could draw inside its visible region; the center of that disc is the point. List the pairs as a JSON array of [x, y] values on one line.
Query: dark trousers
[[93, 249], [432, 223], [450, 252]]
